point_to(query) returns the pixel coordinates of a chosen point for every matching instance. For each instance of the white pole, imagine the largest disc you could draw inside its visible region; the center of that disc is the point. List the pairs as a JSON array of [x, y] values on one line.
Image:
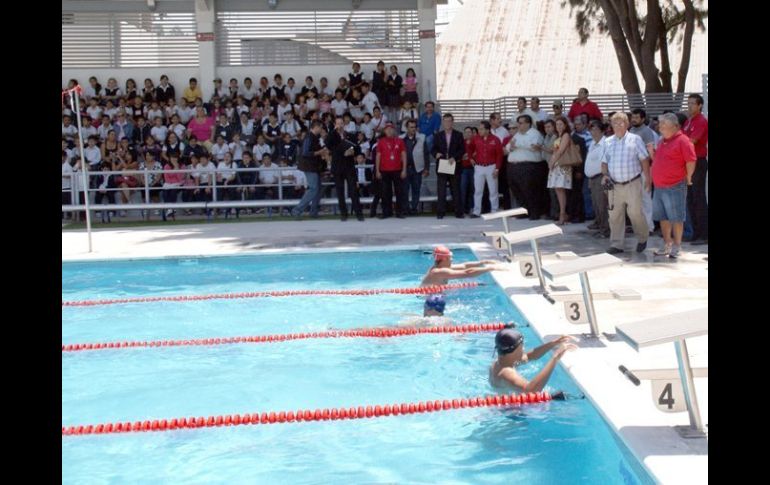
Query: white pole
[[83, 165]]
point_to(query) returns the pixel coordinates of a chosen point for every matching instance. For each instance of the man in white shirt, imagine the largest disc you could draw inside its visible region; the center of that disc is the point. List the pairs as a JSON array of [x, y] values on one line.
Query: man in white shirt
[[501, 132], [593, 173], [540, 114], [290, 125], [93, 154], [527, 172], [369, 99], [521, 107], [339, 105]]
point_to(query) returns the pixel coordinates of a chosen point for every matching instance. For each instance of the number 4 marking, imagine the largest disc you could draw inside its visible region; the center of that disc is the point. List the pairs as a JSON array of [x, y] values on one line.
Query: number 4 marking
[[669, 401]]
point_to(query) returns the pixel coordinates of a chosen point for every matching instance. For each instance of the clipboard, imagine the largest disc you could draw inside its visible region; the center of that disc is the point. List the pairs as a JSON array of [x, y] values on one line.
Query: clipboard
[[446, 166]]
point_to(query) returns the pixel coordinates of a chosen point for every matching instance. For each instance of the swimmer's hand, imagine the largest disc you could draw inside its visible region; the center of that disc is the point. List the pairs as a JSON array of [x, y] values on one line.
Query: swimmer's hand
[[559, 352], [564, 339]]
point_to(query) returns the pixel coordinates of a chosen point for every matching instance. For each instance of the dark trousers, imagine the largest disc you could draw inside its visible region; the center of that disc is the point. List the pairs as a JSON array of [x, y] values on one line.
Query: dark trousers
[[376, 190], [170, 195], [66, 199], [503, 186], [414, 182], [696, 201], [454, 185], [339, 187], [527, 181], [466, 189], [576, 207], [392, 182], [99, 197]]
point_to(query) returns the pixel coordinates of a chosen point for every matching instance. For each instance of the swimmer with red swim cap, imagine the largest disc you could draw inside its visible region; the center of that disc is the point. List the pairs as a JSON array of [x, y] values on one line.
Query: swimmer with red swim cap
[[443, 270]]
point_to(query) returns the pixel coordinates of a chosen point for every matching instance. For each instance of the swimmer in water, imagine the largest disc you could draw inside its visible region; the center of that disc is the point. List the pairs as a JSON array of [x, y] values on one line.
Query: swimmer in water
[[509, 344], [432, 314], [443, 270]]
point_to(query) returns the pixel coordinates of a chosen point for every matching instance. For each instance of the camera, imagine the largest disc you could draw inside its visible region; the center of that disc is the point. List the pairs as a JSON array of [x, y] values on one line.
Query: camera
[[608, 185]]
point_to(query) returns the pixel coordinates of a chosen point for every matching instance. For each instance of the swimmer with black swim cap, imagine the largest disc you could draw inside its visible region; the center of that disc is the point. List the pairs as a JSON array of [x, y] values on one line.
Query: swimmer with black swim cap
[[443, 270], [509, 345]]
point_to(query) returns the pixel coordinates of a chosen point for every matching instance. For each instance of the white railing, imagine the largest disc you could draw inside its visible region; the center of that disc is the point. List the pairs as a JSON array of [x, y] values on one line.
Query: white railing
[[470, 110]]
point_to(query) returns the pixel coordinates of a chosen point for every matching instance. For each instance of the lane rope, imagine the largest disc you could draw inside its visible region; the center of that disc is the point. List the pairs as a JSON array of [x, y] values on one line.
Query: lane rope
[[423, 290], [376, 332], [307, 415]]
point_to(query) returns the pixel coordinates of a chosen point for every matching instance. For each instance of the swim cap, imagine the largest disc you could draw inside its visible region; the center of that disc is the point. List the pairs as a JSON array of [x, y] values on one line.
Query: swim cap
[[507, 340], [441, 252], [435, 302]]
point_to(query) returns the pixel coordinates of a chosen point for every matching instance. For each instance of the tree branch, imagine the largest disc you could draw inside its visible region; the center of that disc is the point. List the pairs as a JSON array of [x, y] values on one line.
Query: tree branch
[[627, 70], [689, 30]]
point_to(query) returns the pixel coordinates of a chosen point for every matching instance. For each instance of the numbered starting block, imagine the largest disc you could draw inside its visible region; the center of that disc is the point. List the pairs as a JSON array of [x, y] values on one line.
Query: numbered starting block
[[670, 394]]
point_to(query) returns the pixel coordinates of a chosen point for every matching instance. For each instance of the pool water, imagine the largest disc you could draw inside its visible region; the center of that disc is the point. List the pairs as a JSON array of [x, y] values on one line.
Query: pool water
[[554, 442]]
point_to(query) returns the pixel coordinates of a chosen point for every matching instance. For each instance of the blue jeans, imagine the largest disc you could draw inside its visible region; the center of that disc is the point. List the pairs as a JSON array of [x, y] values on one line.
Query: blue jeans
[[413, 184], [466, 189], [312, 195]]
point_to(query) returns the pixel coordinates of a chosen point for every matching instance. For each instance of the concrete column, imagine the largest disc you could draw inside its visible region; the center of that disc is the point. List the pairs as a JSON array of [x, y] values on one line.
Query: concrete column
[[205, 18], [426, 13]]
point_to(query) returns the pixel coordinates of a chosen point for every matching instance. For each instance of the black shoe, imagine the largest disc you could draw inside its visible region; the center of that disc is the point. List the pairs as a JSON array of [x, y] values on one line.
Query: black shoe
[[699, 242], [440, 216], [344, 218], [460, 216], [640, 247], [474, 216], [360, 217], [401, 216], [614, 250], [412, 212], [382, 216]]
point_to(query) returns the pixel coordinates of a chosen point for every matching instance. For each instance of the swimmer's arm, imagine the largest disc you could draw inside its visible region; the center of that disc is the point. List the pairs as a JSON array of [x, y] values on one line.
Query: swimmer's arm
[[537, 384], [462, 273], [538, 352], [473, 264]]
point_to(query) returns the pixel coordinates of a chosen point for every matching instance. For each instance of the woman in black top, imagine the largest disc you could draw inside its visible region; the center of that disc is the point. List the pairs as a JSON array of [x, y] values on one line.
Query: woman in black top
[[148, 93], [394, 83], [130, 90], [379, 86]]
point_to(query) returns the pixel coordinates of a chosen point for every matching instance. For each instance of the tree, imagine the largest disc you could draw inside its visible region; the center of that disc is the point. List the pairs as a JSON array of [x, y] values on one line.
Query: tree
[[638, 37]]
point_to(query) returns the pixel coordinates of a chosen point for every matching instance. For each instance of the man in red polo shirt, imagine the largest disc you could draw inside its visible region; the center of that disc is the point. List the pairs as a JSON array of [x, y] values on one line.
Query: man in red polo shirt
[[584, 106], [672, 170], [697, 129], [390, 167], [487, 159]]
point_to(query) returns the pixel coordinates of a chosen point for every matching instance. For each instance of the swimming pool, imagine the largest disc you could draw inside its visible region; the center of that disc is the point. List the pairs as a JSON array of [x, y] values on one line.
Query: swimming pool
[[553, 442]]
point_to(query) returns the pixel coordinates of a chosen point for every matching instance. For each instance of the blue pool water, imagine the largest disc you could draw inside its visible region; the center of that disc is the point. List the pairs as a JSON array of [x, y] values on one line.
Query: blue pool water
[[556, 442]]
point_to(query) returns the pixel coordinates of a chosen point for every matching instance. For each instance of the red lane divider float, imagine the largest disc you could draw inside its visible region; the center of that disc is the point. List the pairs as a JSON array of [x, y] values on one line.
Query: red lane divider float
[[367, 332], [262, 294], [306, 415]]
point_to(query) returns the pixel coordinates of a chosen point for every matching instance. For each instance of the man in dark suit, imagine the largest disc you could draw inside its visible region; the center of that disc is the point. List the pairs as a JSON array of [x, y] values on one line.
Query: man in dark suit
[[344, 150], [448, 144]]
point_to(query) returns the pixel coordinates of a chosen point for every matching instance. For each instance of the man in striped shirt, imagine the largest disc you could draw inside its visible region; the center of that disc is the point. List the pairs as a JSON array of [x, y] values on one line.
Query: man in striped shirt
[[625, 160]]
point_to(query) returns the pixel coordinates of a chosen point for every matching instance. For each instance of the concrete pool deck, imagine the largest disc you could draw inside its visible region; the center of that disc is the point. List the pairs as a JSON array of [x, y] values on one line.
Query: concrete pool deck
[[665, 287]]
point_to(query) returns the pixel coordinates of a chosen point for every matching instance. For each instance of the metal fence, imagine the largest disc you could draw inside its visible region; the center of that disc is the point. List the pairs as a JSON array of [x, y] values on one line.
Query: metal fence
[[469, 110]]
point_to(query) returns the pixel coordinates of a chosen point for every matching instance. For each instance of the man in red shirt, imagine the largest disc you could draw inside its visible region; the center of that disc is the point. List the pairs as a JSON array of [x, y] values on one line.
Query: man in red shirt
[[390, 167], [697, 129], [672, 169], [583, 105], [486, 157]]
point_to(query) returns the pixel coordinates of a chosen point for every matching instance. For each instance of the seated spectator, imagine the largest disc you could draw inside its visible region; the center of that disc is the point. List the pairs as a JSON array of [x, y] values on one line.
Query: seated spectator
[[110, 109], [128, 179], [290, 126], [356, 105], [201, 126], [237, 147], [105, 186], [408, 112], [93, 154], [369, 99], [68, 130], [311, 101], [87, 129], [325, 88], [93, 90], [169, 110], [272, 131], [219, 91], [410, 88], [232, 88], [203, 174], [159, 131], [366, 127], [355, 77], [148, 92], [136, 109], [177, 127], [164, 91], [150, 146], [268, 179], [262, 148], [105, 126], [112, 92], [240, 108], [339, 106], [226, 180], [247, 179], [325, 106], [154, 111], [110, 147], [172, 147], [124, 127], [192, 91], [193, 148], [292, 90], [246, 128], [141, 131], [219, 149], [349, 124], [287, 149], [94, 110], [283, 108], [309, 86], [230, 109], [154, 176], [131, 90], [378, 121]]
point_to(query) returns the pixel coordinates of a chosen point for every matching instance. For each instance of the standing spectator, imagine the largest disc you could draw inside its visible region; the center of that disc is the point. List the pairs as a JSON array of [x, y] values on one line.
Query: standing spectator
[[164, 91], [558, 112], [203, 174], [593, 173], [193, 91], [486, 158], [559, 178], [379, 121], [312, 165], [576, 206], [369, 100], [673, 167], [379, 84], [501, 132], [697, 129], [309, 86], [429, 123], [149, 94], [639, 127], [226, 179], [527, 174], [278, 89], [390, 167], [624, 161], [355, 77], [173, 180], [583, 105], [417, 163], [410, 87], [343, 150], [394, 84], [521, 109], [466, 177], [292, 90], [448, 144], [540, 114], [247, 179]]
